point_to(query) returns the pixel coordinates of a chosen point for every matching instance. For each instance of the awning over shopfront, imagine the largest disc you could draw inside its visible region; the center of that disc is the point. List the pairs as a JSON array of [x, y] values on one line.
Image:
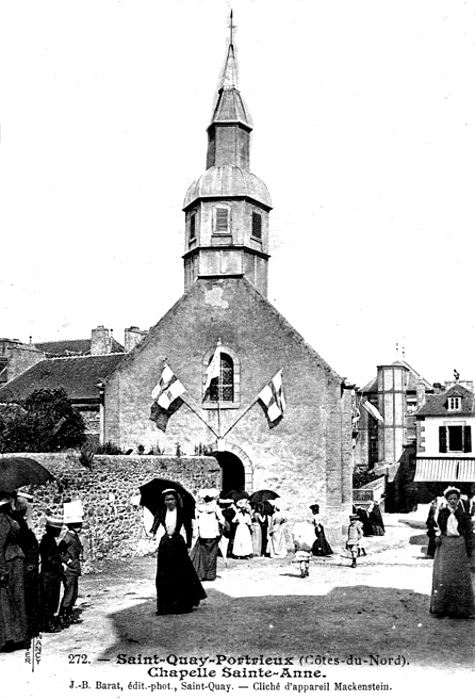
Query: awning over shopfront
[[451, 469]]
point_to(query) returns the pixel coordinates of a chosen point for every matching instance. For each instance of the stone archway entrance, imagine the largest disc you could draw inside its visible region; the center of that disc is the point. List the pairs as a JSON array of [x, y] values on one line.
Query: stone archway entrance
[[236, 468], [232, 471]]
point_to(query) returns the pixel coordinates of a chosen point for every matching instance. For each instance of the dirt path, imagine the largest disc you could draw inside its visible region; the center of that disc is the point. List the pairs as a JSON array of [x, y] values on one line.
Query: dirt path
[[374, 619]]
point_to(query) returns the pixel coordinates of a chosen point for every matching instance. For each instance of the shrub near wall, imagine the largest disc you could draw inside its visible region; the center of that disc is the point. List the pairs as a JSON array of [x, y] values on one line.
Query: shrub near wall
[[113, 525]]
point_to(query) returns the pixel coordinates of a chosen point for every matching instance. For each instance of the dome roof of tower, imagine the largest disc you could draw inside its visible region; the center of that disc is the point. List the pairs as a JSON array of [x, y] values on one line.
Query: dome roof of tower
[[228, 181]]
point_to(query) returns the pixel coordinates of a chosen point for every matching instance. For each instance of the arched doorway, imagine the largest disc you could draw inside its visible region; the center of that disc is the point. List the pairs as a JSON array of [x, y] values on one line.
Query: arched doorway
[[232, 471], [236, 466]]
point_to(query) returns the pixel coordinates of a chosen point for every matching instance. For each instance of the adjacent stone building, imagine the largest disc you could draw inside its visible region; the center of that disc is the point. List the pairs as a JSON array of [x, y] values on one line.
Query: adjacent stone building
[[78, 366]]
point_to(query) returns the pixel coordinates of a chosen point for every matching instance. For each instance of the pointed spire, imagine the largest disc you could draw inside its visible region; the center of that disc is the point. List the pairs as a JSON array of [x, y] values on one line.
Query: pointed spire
[[229, 105], [230, 76]]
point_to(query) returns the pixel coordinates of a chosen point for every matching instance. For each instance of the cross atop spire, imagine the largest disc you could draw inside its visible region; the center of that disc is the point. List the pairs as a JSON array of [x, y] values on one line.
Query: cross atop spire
[[232, 27], [230, 79]]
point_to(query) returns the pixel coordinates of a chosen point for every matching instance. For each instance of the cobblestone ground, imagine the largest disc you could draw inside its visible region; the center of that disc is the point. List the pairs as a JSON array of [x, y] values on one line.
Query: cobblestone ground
[[365, 625]]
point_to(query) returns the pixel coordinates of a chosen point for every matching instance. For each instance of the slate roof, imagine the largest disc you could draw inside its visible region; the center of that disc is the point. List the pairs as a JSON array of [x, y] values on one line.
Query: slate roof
[[437, 404], [77, 375], [64, 348]]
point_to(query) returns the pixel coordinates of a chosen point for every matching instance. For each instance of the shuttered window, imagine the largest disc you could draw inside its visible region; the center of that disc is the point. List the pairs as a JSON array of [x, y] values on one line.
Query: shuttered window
[[455, 438], [222, 220], [467, 439]]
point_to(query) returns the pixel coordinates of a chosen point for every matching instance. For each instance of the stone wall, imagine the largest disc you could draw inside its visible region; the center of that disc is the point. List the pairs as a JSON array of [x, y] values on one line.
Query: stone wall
[[113, 521]]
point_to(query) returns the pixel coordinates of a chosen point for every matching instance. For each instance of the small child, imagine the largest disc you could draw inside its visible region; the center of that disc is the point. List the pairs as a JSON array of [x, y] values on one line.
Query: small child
[[302, 558], [354, 535], [303, 536]]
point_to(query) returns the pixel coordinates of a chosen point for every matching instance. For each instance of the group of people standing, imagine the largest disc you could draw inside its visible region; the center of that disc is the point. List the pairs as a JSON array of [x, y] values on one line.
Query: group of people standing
[[235, 529], [32, 573], [188, 545]]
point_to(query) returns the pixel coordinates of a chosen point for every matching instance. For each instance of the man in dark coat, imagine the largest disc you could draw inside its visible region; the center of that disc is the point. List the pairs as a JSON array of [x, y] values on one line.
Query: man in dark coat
[[71, 552], [51, 574]]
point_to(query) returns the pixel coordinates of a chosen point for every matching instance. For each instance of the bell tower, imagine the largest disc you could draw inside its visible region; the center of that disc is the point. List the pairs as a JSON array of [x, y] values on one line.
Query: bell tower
[[227, 208]]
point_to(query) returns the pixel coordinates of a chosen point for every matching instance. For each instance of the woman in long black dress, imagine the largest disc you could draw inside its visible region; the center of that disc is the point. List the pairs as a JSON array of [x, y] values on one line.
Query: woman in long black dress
[[366, 524], [320, 547], [31, 564], [376, 520], [178, 587]]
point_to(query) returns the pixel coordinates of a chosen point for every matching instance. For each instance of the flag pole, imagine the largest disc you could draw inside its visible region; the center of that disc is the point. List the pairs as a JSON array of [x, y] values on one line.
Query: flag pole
[[195, 410], [240, 417], [218, 387]]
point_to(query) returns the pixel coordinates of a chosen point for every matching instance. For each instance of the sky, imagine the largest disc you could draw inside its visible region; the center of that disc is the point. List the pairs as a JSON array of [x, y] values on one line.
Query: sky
[[364, 133]]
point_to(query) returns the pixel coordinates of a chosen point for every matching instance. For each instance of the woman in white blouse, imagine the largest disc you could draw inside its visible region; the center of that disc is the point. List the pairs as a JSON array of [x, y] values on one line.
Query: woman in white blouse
[[208, 526]]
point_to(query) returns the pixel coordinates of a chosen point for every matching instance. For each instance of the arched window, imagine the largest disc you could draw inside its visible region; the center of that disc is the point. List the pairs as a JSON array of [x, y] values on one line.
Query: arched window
[[222, 388]]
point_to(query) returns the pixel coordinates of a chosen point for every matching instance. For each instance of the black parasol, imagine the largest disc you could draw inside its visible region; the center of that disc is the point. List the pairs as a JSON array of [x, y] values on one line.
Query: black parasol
[[16, 472], [262, 496], [152, 498], [237, 495], [268, 508]]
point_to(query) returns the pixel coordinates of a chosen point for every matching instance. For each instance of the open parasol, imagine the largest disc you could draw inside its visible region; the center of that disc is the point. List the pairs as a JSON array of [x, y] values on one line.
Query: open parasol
[[16, 472], [151, 495], [262, 496], [237, 495]]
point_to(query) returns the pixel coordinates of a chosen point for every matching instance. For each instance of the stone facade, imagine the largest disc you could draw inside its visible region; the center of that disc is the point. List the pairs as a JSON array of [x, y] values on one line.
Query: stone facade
[[307, 457]]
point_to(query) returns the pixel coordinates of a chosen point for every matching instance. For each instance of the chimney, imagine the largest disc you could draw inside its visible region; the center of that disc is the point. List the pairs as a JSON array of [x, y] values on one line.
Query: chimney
[[132, 337], [420, 393], [467, 383], [101, 341]]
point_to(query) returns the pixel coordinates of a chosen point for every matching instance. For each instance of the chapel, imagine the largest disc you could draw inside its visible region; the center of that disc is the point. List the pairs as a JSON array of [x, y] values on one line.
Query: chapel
[[306, 456]]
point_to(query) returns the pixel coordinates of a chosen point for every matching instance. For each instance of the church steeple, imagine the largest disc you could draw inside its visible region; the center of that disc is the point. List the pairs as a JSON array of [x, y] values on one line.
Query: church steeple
[[227, 208], [229, 132]]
